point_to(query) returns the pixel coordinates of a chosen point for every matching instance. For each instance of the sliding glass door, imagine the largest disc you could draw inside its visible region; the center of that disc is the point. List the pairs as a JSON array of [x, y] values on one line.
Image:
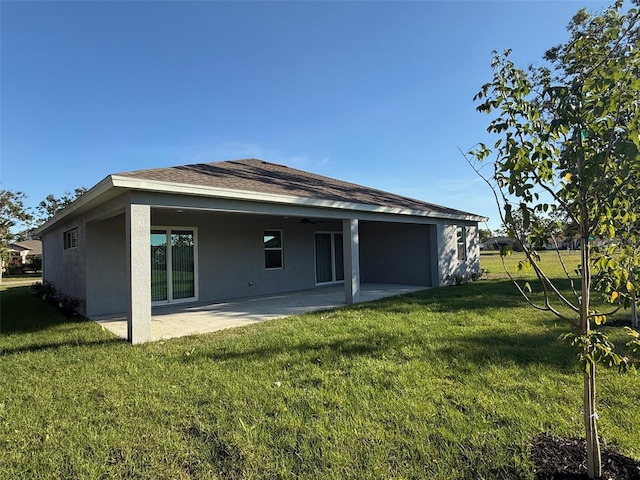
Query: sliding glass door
[[329, 258], [173, 265], [159, 266]]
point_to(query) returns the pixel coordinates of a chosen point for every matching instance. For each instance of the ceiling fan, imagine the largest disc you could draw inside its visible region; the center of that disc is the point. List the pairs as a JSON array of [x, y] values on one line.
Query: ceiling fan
[[308, 221]]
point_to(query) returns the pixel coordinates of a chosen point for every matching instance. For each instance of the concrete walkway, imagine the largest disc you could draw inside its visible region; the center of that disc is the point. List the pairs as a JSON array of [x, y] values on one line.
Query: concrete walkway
[[173, 321]]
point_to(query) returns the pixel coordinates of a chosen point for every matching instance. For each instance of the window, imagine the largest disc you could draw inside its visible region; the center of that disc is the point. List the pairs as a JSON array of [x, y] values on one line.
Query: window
[[461, 238], [70, 239], [272, 249]]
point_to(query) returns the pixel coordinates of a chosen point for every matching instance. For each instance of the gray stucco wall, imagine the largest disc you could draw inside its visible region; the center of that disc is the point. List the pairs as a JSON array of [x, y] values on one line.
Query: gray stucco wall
[[106, 266], [231, 252], [65, 268], [395, 253]]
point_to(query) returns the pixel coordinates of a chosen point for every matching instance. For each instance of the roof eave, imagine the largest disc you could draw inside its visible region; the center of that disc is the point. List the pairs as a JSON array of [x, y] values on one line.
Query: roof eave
[[90, 196], [160, 186], [125, 183]]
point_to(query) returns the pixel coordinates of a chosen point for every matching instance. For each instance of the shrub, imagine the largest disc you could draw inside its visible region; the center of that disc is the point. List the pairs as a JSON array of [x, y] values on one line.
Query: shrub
[[36, 264], [15, 267], [67, 304]]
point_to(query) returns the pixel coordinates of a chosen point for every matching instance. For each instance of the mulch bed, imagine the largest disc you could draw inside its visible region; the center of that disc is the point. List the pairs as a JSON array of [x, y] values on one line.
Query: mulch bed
[[557, 458]]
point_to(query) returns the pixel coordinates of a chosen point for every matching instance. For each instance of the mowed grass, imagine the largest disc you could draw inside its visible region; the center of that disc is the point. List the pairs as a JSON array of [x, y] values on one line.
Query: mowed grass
[[450, 383], [551, 262]]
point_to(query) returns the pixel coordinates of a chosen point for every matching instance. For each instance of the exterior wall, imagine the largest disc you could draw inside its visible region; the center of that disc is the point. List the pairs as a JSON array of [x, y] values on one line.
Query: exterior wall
[[395, 253], [473, 248], [65, 268], [231, 252], [106, 267], [449, 267]]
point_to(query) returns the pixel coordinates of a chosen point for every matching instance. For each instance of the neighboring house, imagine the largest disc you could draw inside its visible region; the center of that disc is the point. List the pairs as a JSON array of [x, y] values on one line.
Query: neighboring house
[[497, 243], [216, 231], [562, 244], [24, 252]]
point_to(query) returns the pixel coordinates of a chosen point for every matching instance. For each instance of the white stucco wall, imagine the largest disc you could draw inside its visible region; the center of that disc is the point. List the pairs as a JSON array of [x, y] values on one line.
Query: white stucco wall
[[448, 264]]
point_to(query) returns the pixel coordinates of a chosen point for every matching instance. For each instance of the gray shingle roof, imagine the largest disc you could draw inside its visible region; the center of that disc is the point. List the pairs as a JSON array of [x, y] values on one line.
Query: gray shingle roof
[[34, 246], [253, 175]]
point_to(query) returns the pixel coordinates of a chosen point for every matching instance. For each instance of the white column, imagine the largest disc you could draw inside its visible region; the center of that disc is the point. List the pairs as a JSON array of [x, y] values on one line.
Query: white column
[[351, 244], [138, 229]]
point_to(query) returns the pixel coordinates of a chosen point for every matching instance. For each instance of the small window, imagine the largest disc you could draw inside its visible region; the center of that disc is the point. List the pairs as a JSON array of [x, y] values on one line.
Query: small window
[[272, 249], [461, 239], [70, 238]]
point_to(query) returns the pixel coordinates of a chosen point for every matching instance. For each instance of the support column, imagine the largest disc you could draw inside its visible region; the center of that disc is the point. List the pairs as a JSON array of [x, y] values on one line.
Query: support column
[[138, 229], [351, 247]]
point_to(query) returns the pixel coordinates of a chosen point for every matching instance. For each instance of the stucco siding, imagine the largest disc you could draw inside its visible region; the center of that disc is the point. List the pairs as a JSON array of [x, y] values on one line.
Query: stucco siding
[[231, 252], [395, 253], [451, 269], [65, 268], [106, 266]]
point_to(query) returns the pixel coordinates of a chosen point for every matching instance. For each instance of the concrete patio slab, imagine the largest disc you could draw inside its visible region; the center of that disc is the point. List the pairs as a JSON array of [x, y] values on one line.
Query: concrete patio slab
[[173, 321]]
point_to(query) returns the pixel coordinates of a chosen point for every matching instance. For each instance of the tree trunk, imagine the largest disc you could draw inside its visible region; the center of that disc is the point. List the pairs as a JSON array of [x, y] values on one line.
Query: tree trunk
[[634, 312], [594, 459]]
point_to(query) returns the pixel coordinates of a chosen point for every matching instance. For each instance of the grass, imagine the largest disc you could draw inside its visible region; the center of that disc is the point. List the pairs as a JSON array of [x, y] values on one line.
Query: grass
[[449, 383], [549, 261], [24, 278]]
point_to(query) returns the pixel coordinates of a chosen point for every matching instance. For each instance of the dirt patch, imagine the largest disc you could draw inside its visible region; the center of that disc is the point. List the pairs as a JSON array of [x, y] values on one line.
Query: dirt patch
[[557, 458]]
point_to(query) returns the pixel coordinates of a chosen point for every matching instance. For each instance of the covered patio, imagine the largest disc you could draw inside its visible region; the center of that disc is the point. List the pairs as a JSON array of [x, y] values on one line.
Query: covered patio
[[174, 321]]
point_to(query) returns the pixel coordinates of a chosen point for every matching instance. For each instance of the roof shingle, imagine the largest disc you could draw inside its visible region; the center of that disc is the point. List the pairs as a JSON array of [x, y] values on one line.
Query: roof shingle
[[253, 175]]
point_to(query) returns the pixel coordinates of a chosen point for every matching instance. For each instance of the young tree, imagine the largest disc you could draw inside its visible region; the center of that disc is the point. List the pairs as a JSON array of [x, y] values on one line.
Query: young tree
[[569, 138], [618, 264]]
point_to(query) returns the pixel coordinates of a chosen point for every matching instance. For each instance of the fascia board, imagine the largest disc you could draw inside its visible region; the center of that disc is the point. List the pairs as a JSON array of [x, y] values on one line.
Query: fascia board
[[207, 191], [105, 185]]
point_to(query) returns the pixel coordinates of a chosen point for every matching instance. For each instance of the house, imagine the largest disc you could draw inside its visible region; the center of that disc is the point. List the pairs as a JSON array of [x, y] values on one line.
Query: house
[[24, 255], [216, 231], [498, 243]]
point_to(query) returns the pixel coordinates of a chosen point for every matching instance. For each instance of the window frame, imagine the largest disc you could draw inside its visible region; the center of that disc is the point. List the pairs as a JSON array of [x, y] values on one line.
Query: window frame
[[168, 230], [461, 243], [273, 249], [335, 267], [70, 239]]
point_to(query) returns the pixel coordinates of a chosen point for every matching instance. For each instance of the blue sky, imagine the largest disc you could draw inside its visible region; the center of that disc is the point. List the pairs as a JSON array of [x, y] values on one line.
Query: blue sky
[[377, 93]]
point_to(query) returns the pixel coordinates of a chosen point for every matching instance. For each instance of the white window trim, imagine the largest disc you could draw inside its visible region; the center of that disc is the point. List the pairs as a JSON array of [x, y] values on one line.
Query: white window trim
[[196, 291], [463, 243], [333, 281], [280, 248], [72, 245]]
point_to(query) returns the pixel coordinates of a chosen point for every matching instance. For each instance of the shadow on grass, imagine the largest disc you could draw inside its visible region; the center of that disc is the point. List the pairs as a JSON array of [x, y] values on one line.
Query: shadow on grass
[[479, 350], [477, 297], [480, 346], [21, 311], [41, 347]]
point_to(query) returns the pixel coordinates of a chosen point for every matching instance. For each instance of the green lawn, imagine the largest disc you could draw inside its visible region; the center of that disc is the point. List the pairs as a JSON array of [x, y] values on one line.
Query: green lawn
[[550, 262], [450, 383]]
